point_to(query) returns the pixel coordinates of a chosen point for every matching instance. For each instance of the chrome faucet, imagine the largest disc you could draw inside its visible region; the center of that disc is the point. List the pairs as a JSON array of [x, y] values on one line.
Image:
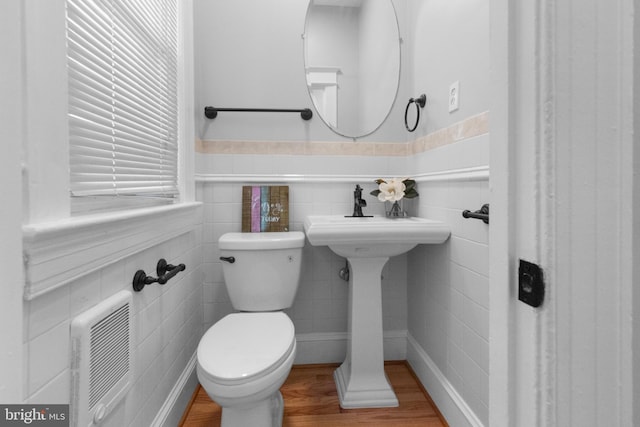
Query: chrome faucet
[[358, 201]]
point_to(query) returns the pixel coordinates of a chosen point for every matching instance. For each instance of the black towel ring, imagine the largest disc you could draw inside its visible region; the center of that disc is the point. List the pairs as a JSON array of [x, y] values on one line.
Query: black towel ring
[[420, 103]]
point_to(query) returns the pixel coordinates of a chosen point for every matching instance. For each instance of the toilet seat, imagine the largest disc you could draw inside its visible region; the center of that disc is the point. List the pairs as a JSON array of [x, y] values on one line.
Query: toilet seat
[[242, 347]]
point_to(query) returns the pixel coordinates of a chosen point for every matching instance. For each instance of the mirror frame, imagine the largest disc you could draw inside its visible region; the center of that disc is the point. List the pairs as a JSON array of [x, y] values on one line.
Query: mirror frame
[[392, 100]]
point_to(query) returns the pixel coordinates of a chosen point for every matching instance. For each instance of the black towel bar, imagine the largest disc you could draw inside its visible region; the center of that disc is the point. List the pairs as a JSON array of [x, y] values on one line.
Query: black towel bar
[[482, 214], [212, 112]]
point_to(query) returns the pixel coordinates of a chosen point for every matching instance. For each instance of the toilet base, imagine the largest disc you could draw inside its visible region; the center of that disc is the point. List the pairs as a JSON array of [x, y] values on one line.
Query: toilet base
[[265, 413]]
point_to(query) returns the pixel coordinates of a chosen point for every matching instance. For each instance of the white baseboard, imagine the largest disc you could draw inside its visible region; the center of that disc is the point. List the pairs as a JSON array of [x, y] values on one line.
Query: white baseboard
[[171, 411], [451, 405], [331, 347]]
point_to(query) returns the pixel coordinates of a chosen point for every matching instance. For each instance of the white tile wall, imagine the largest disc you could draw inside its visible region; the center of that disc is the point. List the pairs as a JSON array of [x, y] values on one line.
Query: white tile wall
[[167, 327], [439, 293], [299, 164], [321, 302], [448, 289]]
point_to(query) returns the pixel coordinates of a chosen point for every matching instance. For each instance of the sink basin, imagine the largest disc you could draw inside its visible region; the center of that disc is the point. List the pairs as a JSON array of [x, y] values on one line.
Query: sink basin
[[372, 236], [367, 243]]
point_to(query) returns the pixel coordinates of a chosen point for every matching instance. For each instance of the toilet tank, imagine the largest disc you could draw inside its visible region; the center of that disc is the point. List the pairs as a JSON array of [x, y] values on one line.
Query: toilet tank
[[261, 270]]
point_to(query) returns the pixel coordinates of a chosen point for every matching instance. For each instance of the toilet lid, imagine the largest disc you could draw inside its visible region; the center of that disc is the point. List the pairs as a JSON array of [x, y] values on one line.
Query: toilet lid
[[244, 345]]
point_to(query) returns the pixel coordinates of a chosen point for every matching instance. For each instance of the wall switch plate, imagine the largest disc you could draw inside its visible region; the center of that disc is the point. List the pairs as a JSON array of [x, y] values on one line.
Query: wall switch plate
[[454, 96], [530, 284]]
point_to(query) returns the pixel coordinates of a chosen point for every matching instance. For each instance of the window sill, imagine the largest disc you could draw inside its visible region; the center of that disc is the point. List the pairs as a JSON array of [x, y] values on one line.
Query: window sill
[[60, 252]]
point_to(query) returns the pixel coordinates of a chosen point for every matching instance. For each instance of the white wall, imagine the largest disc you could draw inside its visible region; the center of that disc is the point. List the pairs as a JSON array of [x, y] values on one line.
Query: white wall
[[320, 309], [247, 56], [11, 137], [320, 305], [448, 290], [167, 323], [448, 287], [225, 78], [635, 199], [62, 279], [448, 41], [447, 316], [250, 54]]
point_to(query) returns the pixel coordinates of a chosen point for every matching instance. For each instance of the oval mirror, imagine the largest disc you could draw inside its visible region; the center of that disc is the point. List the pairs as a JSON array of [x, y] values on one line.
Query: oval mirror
[[352, 63]]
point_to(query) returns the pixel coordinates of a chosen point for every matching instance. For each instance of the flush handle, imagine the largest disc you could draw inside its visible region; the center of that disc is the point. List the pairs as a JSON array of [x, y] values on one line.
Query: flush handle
[[228, 259]]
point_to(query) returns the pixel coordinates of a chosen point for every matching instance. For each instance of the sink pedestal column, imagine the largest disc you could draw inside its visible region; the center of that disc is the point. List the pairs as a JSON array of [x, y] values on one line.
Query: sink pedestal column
[[361, 380]]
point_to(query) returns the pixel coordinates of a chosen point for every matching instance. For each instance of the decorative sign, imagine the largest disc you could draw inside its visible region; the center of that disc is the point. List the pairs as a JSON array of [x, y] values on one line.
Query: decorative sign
[[265, 208]]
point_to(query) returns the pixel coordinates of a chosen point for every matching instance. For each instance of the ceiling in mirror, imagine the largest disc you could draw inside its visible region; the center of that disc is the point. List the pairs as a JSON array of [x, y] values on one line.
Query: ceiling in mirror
[[352, 63]]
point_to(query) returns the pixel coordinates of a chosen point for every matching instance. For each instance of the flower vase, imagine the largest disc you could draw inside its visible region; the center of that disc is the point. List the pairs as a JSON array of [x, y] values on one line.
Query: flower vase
[[395, 209]]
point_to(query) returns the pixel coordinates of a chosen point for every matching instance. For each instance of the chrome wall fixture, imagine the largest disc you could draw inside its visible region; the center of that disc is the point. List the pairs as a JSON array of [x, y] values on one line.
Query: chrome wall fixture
[[419, 102]]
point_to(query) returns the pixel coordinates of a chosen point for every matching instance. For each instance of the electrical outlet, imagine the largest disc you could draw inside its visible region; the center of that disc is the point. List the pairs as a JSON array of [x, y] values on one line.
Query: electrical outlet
[[454, 96]]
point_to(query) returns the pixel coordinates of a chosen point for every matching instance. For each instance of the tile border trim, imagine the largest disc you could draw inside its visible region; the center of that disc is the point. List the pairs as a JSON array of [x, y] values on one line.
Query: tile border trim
[[468, 128]]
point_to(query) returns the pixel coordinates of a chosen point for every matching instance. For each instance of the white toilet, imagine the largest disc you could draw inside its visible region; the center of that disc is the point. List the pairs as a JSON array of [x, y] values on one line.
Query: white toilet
[[245, 357]]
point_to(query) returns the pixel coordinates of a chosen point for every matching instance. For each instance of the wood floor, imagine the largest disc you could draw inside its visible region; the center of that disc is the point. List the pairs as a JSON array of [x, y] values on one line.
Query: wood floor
[[311, 400]]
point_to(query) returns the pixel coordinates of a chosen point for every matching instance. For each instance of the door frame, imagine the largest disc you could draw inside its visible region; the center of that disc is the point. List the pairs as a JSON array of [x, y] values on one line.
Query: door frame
[[543, 54]]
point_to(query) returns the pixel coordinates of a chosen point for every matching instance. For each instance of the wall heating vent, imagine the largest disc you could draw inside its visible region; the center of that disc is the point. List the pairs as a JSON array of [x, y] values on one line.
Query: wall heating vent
[[101, 354]]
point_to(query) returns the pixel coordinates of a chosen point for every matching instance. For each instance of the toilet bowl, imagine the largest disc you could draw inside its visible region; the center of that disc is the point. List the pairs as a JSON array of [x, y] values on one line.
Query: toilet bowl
[[243, 360], [246, 356]]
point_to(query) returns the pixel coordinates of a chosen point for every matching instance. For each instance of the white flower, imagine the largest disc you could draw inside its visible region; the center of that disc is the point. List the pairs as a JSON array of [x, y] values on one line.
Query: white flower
[[391, 190]]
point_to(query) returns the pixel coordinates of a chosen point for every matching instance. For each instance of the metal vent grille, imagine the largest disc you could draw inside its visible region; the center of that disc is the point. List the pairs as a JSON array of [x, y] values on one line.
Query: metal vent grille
[[101, 359], [109, 353]]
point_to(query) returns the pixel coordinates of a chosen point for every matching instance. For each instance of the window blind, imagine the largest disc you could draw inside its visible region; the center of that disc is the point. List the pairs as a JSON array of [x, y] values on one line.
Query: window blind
[[123, 124]]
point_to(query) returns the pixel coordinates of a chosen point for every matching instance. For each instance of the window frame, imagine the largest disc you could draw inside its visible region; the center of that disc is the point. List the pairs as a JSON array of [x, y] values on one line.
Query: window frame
[[59, 247], [123, 143], [45, 151]]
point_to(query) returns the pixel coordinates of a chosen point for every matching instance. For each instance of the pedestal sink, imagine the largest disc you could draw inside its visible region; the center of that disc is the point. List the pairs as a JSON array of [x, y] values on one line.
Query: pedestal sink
[[367, 243]]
